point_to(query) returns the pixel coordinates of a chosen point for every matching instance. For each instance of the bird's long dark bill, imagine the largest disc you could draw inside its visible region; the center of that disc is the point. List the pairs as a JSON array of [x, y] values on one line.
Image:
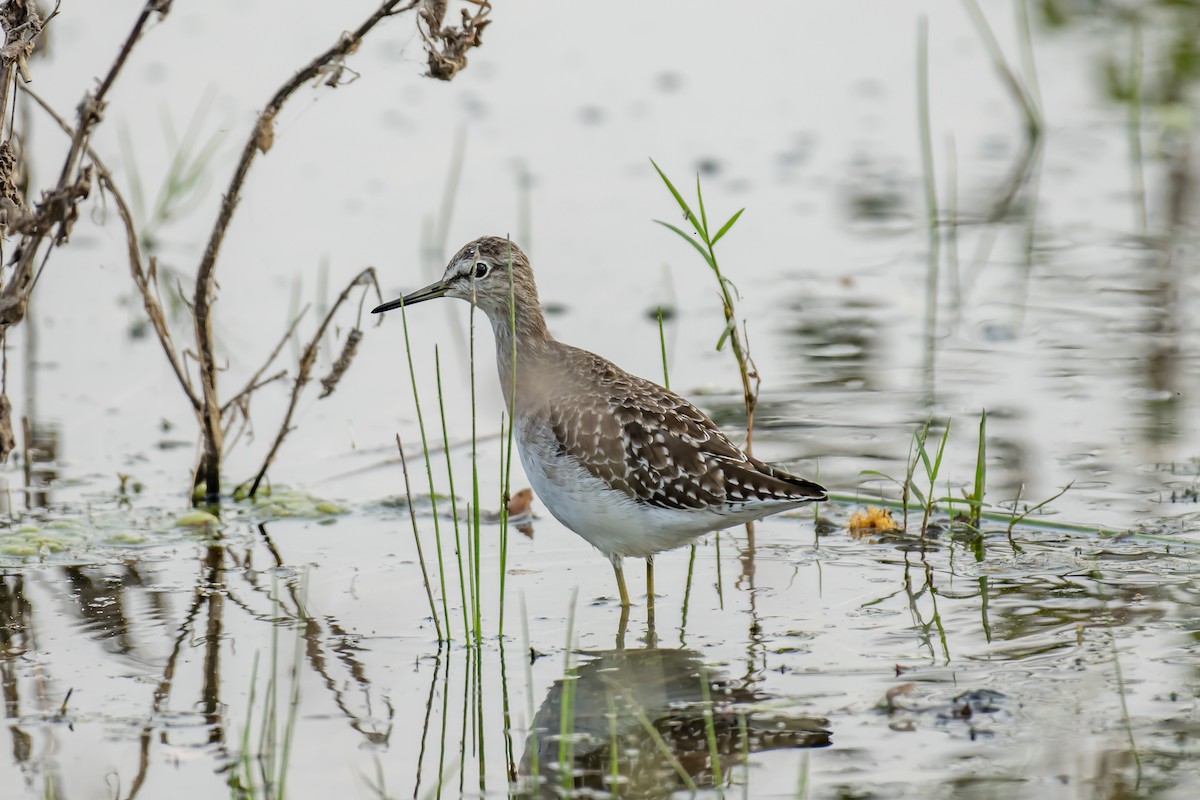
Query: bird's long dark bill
[[430, 292]]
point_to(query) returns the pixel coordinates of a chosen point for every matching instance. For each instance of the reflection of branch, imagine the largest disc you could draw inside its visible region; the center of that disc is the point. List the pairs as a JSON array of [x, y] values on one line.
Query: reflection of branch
[[305, 369], [163, 690], [260, 140], [315, 651], [214, 563]]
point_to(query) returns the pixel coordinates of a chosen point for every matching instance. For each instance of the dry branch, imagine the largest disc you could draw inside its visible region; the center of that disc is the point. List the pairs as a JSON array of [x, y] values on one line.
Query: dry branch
[[254, 383], [447, 47], [259, 140], [59, 206], [303, 373], [141, 278], [330, 381]]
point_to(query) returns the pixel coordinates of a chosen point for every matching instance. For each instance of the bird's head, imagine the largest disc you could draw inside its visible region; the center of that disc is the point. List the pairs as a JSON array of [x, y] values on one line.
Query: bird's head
[[487, 273]]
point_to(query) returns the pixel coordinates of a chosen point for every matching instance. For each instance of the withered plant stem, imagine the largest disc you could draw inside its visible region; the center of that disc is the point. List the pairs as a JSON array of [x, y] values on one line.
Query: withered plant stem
[[57, 205], [254, 381], [304, 372], [141, 279], [91, 109], [259, 139]]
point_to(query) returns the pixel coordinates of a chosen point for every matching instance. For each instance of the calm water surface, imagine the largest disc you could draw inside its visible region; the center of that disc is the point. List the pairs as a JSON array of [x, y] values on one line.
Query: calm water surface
[[298, 657]]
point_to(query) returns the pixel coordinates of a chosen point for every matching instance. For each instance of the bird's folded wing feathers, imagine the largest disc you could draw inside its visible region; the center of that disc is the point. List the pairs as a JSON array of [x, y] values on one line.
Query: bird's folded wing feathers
[[660, 449]]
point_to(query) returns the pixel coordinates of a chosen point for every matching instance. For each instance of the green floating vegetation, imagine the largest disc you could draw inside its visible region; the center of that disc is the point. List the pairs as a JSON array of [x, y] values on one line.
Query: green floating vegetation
[[283, 502], [94, 535], [197, 519]]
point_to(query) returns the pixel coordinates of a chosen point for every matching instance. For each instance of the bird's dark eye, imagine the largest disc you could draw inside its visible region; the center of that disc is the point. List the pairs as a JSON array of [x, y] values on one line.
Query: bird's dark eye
[[481, 269]]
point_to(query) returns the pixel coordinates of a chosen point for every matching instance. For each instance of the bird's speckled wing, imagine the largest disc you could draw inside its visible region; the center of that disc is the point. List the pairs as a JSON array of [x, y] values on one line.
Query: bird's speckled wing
[[660, 449]]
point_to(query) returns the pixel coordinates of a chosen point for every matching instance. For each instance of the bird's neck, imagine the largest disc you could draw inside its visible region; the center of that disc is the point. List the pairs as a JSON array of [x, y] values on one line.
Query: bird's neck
[[523, 355]]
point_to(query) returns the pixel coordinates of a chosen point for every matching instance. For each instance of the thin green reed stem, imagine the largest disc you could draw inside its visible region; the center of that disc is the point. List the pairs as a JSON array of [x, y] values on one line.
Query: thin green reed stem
[[1028, 64], [506, 710], [687, 595], [720, 580], [710, 732], [744, 745], [437, 533], [476, 614], [506, 478], [462, 582], [244, 774], [662, 346], [412, 513], [614, 749], [535, 770], [566, 722], [1025, 101], [802, 782], [931, 207]]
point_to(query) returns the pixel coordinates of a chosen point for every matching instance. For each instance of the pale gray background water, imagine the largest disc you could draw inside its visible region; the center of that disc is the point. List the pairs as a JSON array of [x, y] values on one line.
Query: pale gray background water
[[806, 114]]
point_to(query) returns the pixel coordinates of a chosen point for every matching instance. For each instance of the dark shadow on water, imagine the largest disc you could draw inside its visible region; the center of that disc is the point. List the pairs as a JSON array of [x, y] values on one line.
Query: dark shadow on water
[[637, 717]]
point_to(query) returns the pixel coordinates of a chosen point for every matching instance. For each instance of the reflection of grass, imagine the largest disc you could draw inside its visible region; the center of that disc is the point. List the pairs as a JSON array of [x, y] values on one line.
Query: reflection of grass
[[922, 453], [710, 733], [566, 727], [919, 454], [261, 771]]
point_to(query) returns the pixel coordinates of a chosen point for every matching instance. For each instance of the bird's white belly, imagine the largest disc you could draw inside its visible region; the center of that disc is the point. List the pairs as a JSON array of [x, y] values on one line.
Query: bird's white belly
[[607, 518]]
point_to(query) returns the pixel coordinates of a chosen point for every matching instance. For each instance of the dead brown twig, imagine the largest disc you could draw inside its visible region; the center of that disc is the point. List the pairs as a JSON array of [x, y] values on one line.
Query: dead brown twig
[[142, 278], [447, 47], [304, 371], [59, 206], [254, 382], [259, 141]]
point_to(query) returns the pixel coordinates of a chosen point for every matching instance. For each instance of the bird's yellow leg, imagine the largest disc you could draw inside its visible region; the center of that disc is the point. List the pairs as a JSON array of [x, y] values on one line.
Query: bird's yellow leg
[[620, 573]]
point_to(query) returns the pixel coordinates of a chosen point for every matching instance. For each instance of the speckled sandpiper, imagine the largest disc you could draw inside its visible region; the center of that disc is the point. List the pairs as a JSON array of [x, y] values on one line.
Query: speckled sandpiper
[[630, 466]]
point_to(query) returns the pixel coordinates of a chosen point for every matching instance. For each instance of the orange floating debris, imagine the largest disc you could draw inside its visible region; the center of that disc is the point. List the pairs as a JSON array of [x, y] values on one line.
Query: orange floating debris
[[871, 519]]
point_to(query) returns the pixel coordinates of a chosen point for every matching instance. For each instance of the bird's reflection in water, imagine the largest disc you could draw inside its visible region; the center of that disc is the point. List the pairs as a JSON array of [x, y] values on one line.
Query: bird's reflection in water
[[637, 717]]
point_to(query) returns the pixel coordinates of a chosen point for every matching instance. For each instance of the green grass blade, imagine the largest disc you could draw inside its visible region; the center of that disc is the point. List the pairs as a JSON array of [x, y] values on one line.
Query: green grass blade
[[703, 214], [662, 346], [937, 462], [923, 454], [876, 473], [710, 732], [729, 328], [678, 197], [699, 249], [980, 471], [725, 228]]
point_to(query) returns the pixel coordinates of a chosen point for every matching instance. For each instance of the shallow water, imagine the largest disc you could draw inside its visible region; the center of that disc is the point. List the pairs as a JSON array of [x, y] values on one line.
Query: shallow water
[[138, 654]]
